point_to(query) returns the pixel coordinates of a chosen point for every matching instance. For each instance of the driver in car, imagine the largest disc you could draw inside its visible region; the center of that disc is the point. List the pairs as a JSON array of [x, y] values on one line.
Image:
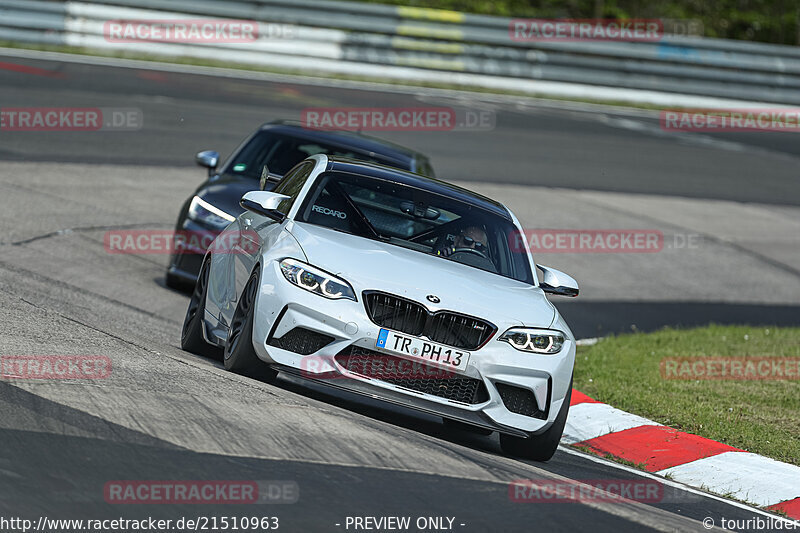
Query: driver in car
[[470, 237]]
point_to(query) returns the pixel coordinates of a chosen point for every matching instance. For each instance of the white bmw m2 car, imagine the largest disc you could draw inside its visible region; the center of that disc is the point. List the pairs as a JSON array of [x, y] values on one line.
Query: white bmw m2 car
[[396, 286]]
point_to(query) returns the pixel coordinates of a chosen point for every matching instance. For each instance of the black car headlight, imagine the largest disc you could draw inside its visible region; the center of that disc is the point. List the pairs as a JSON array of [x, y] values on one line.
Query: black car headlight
[[205, 213], [533, 340], [315, 280]]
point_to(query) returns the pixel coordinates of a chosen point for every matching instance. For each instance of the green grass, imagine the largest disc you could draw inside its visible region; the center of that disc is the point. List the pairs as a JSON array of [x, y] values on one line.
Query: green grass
[[609, 457], [751, 20], [761, 416]]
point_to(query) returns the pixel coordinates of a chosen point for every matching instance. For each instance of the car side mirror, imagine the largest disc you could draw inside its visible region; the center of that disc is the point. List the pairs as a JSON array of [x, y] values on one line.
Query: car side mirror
[[556, 282], [264, 203], [208, 159], [268, 177]]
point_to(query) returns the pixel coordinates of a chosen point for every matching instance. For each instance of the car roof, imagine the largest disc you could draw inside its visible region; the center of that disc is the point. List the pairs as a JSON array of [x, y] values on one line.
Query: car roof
[[443, 188], [349, 139]]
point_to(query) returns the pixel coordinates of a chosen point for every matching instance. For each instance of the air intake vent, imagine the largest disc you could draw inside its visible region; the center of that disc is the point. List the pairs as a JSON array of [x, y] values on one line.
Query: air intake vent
[[519, 400], [302, 341]]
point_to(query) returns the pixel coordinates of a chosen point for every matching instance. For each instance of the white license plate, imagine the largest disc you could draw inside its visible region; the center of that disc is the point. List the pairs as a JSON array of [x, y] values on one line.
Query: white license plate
[[417, 348]]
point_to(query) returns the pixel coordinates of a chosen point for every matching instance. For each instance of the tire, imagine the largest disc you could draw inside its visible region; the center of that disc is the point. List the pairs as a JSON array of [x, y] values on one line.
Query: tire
[[539, 447], [239, 355], [192, 333], [174, 282]]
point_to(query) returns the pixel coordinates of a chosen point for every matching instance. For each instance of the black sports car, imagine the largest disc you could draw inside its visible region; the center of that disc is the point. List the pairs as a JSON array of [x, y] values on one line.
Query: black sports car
[[279, 146]]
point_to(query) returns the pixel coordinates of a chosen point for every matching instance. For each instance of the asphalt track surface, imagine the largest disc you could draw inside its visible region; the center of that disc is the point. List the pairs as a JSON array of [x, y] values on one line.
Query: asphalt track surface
[[166, 414]]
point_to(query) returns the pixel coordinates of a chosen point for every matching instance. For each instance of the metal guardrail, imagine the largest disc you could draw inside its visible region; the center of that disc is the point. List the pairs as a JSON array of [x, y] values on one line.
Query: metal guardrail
[[337, 36]]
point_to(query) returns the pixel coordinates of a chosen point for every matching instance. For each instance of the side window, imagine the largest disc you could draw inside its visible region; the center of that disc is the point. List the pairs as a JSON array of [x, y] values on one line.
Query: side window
[[292, 183], [424, 167], [331, 210]]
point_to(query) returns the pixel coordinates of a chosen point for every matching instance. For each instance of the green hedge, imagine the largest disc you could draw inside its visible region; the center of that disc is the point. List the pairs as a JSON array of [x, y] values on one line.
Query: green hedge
[[773, 21]]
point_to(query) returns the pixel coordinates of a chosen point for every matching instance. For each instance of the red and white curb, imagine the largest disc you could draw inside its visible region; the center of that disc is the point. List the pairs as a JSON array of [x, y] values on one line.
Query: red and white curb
[[686, 458]]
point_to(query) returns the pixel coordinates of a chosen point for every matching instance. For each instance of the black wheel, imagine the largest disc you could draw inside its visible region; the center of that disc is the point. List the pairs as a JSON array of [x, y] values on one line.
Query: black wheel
[[192, 334], [174, 282], [455, 426], [239, 355], [539, 447]]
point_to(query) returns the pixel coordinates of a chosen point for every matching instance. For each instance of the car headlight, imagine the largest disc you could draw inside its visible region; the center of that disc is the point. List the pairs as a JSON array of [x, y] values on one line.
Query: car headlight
[[205, 213], [544, 341], [315, 280]]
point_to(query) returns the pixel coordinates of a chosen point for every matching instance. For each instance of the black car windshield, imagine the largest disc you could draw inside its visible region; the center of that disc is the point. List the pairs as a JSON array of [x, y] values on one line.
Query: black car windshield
[[419, 220], [282, 152]]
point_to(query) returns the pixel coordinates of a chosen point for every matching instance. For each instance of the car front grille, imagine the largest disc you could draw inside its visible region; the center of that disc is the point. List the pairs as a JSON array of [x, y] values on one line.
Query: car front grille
[[423, 378], [519, 400], [412, 318], [302, 341], [396, 313]]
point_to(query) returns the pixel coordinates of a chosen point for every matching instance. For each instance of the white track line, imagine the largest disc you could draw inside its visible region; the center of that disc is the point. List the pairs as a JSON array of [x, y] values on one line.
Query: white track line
[[746, 476], [678, 485], [589, 420]]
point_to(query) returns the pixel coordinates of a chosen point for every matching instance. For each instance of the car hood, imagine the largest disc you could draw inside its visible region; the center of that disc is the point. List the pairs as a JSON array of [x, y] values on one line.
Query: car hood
[[226, 191], [373, 265]]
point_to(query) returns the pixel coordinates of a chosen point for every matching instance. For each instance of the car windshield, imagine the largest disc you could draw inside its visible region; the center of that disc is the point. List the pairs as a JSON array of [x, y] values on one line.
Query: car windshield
[[419, 220], [282, 152]]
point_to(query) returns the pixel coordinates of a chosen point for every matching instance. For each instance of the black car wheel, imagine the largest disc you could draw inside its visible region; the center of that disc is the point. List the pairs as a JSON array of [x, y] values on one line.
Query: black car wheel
[[192, 334], [175, 282], [239, 355], [539, 447]]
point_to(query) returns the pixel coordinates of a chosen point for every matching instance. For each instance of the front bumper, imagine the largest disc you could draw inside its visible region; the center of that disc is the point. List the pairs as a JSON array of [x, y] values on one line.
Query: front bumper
[[186, 264], [281, 307]]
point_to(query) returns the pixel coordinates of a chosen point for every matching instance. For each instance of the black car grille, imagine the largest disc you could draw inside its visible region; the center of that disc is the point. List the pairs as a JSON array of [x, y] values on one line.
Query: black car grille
[[519, 400], [412, 318], [424, 378], [396, 313], [302, 341]]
